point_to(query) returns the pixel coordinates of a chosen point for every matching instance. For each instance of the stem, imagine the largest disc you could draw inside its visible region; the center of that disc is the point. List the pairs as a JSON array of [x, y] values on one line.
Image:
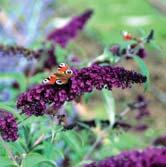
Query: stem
[[21, 121], [98, 140], [124, 112], [8, 150], [110, 106], [38, 141], [100, 137]]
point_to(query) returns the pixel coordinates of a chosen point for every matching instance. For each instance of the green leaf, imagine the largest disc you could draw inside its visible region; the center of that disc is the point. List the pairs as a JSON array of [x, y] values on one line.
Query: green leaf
[[74, 141], [107, 55], [17, 147], [87, 97], [50, 151], [144, 70], [154, 45], [34, 159], [5, 162], [110, 105]]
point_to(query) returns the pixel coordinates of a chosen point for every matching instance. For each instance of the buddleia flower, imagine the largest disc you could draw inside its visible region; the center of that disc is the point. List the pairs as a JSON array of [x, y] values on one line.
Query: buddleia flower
[[36, 100], [16, 59], [63, 35], [128, 52], [140, 104], [150, 157], [160, 141], [8, 126]]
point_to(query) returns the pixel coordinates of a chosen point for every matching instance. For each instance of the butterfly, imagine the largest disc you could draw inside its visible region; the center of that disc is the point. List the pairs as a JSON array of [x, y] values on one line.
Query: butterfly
[[127, 36], [61, 76]]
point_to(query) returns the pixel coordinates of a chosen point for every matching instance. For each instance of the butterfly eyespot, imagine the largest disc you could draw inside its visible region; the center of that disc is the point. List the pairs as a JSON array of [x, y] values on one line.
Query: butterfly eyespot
[[62, 65], [59, 82], [45, 81], [70, 72]]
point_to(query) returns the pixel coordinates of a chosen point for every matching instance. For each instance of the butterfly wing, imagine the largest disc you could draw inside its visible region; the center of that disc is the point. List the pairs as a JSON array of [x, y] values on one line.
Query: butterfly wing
[[65, 69], [61, 81], [61, 77], [62, 68], [50, 80]]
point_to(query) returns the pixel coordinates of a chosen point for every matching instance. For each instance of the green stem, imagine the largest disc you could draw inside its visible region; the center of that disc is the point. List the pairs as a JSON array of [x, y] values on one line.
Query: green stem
[[110, 105], [8, 150]]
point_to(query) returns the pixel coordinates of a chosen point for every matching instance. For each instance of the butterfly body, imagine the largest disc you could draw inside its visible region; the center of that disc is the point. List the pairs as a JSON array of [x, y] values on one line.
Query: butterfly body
[[61, 76]]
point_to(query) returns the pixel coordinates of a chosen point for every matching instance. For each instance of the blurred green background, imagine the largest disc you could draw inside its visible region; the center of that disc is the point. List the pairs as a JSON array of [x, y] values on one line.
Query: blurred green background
[[113, 16]]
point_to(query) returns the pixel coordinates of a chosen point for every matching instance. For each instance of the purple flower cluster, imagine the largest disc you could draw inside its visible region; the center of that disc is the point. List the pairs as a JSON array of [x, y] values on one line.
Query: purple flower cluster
[[141, 105], [140, 127], [24, 60], [15, 50], [66, 33], [36, 100], [116, 50], [128, 52], [8, 126], [132, 50], [16, 59], [122, 124], [160, 141], [142, 53], [127, 126], [150, 157]]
